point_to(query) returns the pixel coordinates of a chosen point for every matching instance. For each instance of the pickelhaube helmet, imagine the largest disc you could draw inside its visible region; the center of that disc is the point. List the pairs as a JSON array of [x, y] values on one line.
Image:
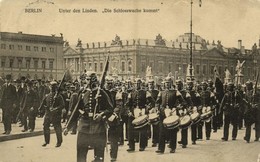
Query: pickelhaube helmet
[[91, 75], [138, 80]]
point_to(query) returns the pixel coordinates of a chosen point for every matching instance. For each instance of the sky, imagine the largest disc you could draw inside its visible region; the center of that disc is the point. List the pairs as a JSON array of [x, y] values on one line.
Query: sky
[[224, 20]]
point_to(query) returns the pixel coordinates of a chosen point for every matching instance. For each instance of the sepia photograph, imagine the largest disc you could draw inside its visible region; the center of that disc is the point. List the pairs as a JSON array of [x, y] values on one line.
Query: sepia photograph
[[129, 80]]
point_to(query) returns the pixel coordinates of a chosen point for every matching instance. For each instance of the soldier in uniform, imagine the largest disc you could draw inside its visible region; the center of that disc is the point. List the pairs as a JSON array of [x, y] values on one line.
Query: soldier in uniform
[[168, 98], [29, 105], [137, 99], [187, 100], [250, 109], [195, 102], [8, 103], [230, 108], [52, 106], [153, 93], [94, 106], [207, 99]]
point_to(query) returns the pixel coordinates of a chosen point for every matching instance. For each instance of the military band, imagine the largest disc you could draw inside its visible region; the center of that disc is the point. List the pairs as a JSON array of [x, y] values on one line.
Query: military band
[[131, 111]]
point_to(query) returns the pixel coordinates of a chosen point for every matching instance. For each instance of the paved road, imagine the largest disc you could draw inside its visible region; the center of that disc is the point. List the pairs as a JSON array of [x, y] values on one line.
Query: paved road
[[214, 150]]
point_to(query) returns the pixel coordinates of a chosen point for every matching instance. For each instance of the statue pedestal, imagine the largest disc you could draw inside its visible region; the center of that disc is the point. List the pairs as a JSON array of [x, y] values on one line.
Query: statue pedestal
[[239, 79]]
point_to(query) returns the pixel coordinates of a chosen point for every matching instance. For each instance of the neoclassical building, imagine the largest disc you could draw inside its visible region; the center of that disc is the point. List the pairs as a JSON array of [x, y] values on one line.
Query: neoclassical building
[[32, 56], [130, 58]]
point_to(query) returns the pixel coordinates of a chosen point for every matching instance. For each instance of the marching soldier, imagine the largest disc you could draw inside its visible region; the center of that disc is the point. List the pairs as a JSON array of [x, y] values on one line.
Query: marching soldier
[[8, 103], [168, 98], [250, 109], [52, 106], [186, 99], [195, 102], [153, 93], [137, 99], [207, 100], [29, 105], [94, 106], [231, 109]]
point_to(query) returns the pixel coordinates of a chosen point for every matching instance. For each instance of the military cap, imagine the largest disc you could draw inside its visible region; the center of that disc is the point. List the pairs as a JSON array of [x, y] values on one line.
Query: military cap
[[150, 81], [8, 76], [203, 83], [53, 83], [138, 80], [178, 81], [249, 82], [29, 83], [109, 79], [23, 78], [167, 79]]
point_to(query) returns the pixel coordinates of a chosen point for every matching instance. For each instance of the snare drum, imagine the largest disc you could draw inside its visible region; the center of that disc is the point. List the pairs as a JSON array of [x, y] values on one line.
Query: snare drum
[[171, 122], [206, 116], [140, 121], [195, 117], [185, 122], [153, 118]]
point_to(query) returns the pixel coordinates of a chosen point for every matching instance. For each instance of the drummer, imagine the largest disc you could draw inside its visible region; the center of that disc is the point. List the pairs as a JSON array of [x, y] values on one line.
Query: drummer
[[207, 100], [183, 111], [195, 102], [137, 99], [167, 98], [153, 93]]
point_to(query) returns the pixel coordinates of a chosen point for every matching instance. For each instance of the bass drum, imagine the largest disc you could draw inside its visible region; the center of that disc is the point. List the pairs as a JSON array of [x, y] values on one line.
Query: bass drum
[[185, 122], [171, 122], [153, 118], [140, 122], [195, 118]]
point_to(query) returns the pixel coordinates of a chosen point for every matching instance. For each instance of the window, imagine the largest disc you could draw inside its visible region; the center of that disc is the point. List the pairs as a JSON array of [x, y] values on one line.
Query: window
[[170, 67], [35, 64], [51, 49], [43, 64], [249, 72], [28, 48], [3, 46], [219, 70], [27, 64], [3, 63], [89, 65], [11, 47], [35, 48], [204, 70], [101, 66], [11, 63], [20, 47], [43, 49], [143, 67], [96, 67], [51, 64], [160, 66], [123, 66], [232, 70], [198, 69], [129, 66], [20, 63], [151, 64], [184, 68]]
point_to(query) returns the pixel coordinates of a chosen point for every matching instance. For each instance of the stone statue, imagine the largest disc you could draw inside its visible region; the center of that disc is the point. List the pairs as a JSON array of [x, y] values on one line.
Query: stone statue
[[149, 71], [79, 44], [239, 67], [227, 76], [117, 41]]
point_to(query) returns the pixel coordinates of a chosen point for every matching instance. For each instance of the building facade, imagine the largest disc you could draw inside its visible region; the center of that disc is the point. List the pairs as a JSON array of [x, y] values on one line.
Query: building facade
[[130, 58], [32, 56]]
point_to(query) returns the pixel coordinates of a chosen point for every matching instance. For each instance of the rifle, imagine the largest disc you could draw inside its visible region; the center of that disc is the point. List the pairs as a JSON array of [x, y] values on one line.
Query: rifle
[[101, 85]]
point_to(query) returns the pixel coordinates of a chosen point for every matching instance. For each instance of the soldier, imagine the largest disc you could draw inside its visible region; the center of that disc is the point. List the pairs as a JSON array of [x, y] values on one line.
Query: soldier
[[121, 97], [168, 98], [20, 90], [94, 106], [43, 89], [207, 100], [250, 109], [29, 104], [52, 106], [137, 99], [257, 122], [72, 103], [154, 93], [66, 94], [231, 108], [195, 102], [187, 99], [8, 103]]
